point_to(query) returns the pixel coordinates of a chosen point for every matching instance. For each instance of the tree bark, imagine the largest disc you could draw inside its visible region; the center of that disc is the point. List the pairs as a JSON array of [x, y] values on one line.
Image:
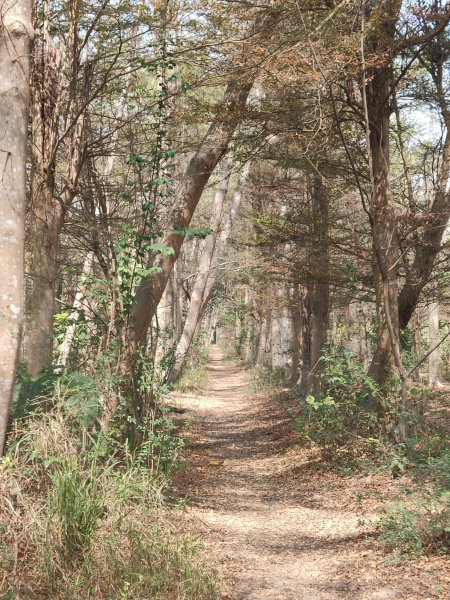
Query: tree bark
[[51, 106], [281, 330], [204, 267], [376, 91], [433, 334], [430, 244], [16, 33], [320, 293], [201, 166]]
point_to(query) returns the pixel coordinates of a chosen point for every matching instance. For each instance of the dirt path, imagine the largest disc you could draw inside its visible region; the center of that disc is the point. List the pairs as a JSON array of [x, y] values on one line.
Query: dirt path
[[282, 529]]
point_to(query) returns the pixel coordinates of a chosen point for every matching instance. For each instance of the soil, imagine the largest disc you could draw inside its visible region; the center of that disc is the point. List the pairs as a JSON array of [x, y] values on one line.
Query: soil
[[279, 524]]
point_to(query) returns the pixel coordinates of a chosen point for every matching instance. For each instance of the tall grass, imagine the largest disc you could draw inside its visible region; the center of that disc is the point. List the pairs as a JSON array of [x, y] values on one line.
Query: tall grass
[[77, 523]]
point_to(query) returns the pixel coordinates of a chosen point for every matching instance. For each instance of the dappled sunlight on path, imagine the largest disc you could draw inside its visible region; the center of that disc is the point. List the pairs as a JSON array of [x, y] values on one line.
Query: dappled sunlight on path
[[279, 531]]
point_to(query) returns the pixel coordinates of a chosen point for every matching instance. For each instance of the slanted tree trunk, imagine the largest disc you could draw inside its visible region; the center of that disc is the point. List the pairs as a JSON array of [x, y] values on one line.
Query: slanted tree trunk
[[16, 33], [186, 199], [202, 164], [204, 267]]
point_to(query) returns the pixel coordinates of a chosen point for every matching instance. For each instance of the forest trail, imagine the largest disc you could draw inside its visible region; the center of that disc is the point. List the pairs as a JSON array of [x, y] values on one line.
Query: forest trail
[[280, 528]]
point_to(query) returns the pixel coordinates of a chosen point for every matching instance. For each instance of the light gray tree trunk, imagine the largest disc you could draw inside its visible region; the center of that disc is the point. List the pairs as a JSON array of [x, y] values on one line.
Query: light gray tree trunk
[[210, 259], [64, 349], [433, 334], [281, 330], [204, 267], [16, 33]]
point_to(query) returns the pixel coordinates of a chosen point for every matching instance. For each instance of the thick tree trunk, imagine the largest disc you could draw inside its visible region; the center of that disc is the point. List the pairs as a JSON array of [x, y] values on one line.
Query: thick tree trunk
[[262, 354], [48, 223], [430, 243], [55, 74], [16, 33], [386, 255], [281, 330]]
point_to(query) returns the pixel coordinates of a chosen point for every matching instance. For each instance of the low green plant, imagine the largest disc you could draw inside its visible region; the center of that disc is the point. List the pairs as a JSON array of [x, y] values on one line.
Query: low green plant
[[77, 521], [193, 379], [343, 410], [161, 445], [266, 378], [76, 505], [409, 529]]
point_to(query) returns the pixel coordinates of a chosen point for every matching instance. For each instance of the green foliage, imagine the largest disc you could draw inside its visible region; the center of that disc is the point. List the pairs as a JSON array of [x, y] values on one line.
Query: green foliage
[[81, 397], [193, 379], [342, 411], [75, 506], [266, 378], [161, 447], [93, 526], [410, 529], [190, 232], [30, 392]]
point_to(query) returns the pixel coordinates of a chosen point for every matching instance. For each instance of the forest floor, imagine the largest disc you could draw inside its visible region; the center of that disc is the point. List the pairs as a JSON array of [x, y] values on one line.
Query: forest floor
[[279, 523]]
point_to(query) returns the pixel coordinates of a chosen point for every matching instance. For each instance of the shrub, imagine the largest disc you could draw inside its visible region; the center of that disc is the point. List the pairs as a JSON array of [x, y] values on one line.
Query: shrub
[[411, 529], [343, 411], [266, 378]]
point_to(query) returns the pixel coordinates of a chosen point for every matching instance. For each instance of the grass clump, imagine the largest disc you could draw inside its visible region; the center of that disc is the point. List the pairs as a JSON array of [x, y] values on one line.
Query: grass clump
[[419, 526], [193, 379], [79, 521], [266, 378]]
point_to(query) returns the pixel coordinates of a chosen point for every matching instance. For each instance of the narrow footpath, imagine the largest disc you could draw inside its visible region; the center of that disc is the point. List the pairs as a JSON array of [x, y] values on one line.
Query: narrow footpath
[[281, 526]]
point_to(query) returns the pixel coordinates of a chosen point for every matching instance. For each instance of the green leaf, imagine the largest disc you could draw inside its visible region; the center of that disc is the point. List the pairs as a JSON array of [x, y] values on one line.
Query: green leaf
[[200, 232], [164, 249]]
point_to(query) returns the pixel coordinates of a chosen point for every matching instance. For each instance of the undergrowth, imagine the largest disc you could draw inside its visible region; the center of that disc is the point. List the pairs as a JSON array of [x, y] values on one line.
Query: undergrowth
[[193, 379], [79, 520], [342, 423]]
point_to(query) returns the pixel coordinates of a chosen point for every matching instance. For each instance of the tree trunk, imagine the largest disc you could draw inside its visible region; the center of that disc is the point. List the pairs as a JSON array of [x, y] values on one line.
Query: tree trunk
[[281, 330], [320, 291], [261, 355], [194, 181], [64, 349], [202, 164], [54, 72], [376, 91], [297, 326], [16, 33], [433, 334], [204, 267]]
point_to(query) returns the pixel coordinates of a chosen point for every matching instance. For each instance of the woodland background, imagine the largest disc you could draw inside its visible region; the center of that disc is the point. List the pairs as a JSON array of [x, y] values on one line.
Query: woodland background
[[273, 176]]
